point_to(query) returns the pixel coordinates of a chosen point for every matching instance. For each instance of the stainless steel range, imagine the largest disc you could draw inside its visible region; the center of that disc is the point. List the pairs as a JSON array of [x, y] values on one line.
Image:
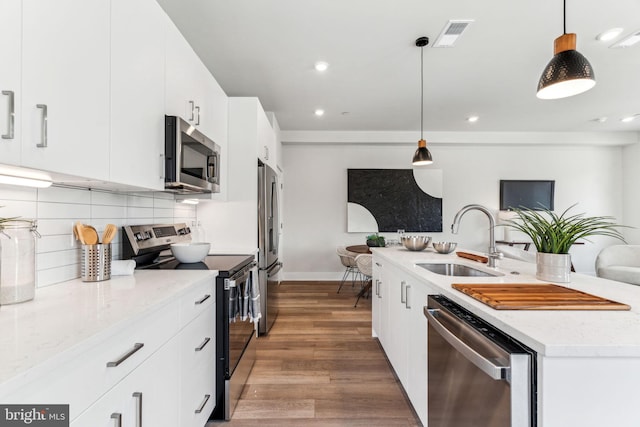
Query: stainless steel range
[[237, 277]]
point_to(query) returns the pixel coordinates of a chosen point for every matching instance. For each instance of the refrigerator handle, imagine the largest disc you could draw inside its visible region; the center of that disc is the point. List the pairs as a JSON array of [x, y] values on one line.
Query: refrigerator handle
[[275, 223]]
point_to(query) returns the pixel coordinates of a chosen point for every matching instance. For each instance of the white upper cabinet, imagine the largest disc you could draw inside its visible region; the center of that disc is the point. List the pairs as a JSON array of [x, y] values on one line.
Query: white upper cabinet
[[10, 96], [137, 93], [65, 83]]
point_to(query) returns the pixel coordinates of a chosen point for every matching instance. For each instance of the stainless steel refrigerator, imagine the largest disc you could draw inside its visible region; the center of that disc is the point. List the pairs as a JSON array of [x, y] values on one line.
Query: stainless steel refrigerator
[[268, 239]]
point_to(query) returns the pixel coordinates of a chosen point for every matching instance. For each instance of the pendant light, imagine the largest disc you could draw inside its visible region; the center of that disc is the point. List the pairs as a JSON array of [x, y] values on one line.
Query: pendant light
[[422, 155], [568, 73]]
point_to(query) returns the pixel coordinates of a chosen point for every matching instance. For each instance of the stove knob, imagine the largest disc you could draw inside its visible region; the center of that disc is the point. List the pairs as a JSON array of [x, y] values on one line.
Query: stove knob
[[138, 236]]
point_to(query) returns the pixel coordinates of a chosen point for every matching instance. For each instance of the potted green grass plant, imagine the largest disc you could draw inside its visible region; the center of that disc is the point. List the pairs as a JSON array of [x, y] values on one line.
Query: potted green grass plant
[[553, 235]]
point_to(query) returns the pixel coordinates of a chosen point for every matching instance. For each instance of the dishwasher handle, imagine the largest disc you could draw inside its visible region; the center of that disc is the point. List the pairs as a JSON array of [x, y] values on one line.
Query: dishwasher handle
[[494, 371]]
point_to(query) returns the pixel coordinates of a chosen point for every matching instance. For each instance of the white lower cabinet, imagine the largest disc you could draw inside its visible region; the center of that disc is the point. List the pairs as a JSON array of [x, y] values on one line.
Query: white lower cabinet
[[197, 370], [146, 397], [401, 327]]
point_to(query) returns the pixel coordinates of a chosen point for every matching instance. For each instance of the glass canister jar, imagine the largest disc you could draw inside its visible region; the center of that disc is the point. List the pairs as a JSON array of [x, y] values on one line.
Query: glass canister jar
[[17, 260]]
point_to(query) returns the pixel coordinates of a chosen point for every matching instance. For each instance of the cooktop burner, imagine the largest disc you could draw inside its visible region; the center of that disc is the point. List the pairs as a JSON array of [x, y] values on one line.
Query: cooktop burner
[[223, 263]]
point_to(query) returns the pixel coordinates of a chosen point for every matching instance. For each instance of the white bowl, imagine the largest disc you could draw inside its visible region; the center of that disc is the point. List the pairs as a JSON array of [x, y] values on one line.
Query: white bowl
[[190, 252]]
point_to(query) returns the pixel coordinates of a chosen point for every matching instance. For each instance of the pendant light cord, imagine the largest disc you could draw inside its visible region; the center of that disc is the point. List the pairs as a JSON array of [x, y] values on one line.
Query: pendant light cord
[[421, 90], [564, 16]]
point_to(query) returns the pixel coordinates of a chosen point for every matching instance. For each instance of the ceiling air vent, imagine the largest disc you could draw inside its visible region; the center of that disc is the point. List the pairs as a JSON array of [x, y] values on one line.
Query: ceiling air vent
[[452, 32]]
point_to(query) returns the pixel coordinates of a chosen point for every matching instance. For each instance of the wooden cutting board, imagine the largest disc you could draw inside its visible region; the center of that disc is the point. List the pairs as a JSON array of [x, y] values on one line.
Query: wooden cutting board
[[524, 296]]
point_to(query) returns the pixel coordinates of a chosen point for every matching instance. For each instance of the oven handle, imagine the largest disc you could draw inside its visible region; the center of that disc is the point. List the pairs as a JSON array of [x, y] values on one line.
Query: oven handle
[[240, 276], [496, 372]]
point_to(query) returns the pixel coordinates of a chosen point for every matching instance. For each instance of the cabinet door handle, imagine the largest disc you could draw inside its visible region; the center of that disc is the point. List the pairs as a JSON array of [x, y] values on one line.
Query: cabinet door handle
[[407, 305], [379, 289], [137, 346], [203, 404], [204, 343], [193, 106], [378, 264], [197, 115], [204, 298], [162, 166], [11, 114], [266, 152], [118, 419], [45, 119], [138, 396], [403, 295]]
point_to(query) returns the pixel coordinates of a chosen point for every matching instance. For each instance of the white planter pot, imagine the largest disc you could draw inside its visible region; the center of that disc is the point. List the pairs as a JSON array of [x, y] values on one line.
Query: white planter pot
[[553, 267]]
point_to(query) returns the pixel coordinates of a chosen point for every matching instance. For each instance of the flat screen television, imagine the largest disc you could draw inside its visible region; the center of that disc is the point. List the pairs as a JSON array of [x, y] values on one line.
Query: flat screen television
[[523, 194]]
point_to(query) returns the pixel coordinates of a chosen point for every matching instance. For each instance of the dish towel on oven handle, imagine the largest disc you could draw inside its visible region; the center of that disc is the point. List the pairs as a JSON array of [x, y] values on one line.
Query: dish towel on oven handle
[[251, 300], [234, 303]]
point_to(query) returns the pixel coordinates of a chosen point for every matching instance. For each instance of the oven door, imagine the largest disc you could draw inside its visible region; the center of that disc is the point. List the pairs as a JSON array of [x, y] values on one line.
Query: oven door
[[240, 331]]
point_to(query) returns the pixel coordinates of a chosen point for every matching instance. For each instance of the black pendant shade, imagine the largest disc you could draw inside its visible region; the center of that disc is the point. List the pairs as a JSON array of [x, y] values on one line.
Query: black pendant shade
[[422, 155], [568, 73]]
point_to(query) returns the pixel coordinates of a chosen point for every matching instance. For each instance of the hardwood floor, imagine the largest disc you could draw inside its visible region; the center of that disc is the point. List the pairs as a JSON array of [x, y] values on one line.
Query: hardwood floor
[[319, 366]]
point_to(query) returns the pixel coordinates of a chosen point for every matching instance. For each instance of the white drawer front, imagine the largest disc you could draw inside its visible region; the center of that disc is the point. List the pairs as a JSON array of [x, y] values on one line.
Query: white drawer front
[[197, 301], [81, 380], [198, 370]]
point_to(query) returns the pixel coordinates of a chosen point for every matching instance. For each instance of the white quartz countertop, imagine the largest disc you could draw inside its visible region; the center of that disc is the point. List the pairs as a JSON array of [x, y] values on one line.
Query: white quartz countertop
[[62, 316], [553, 333]]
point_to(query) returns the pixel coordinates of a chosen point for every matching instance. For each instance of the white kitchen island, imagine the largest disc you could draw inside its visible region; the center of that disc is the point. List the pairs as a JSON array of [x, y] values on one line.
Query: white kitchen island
[[588, 365]]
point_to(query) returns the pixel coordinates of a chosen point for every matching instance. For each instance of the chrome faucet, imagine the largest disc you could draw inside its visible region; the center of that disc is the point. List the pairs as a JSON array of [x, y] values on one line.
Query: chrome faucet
[[493, 254]]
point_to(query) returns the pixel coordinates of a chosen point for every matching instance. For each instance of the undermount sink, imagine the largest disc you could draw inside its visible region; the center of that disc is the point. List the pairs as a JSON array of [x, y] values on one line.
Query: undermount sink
[[453, 269]]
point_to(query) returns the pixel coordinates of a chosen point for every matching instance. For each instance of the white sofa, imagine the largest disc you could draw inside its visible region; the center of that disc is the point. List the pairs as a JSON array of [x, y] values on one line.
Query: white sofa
[[619, 262]]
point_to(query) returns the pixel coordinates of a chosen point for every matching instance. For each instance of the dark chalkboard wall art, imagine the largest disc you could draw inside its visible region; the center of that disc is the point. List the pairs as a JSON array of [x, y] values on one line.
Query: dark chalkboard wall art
[[385, 200]]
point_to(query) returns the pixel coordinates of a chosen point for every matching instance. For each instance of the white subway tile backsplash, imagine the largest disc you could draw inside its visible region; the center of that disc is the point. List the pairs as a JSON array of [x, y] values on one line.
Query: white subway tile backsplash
[[58, 208], [63, 210], [50, 260], [140, 201], [106, 198], [11, 192], [21, 208], [108, 212], [137, 212], [64, 195]]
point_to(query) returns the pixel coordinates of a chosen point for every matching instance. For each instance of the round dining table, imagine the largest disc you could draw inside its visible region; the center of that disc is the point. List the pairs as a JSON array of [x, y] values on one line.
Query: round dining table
[[359, 249]]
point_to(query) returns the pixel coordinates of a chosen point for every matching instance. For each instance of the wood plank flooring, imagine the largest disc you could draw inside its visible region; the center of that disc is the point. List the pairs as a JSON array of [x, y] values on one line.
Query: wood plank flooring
[[319, 366]]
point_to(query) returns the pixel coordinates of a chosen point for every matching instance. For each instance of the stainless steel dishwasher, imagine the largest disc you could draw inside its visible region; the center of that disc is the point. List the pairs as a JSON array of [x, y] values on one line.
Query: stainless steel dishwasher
[[477, 375]]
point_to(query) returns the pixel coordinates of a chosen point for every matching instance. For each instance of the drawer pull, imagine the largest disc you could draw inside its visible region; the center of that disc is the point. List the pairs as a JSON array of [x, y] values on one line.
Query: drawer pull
[[204, 298], [138, 396], [204, 343], [118, 419], [203, 404], [137, 346]]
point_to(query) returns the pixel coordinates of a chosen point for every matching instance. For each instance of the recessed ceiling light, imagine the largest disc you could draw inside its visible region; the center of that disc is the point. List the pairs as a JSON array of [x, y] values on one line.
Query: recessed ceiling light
[[609, 34], [321, 66], [472, 119], [319, 112], [599, 119], [629, 118], [628, 41]]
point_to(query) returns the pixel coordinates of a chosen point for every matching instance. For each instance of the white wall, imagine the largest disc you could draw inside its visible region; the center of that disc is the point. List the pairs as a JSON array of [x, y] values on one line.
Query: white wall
[[631, 205], [315, 194], [57, 209]]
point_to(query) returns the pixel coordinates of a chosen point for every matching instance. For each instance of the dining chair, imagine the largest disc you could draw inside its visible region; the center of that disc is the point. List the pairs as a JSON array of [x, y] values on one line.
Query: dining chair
[[348, 260], [364, 262]]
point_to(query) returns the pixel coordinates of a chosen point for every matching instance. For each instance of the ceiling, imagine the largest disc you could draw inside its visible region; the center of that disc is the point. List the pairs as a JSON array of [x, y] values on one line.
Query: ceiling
[[267, 48]]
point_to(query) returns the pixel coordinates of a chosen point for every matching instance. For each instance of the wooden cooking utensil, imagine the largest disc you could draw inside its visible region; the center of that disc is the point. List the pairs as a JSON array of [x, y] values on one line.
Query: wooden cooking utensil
[[78, 231], [89, 235], [109, 233]]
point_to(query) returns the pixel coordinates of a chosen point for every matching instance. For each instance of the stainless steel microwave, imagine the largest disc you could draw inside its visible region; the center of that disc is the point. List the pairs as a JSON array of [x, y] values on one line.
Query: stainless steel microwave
[[192, 161]]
